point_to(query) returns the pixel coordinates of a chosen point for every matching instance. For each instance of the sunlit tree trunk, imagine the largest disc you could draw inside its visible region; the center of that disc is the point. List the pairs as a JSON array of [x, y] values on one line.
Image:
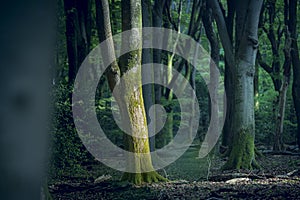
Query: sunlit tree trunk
[[138, 142], [129, 97]]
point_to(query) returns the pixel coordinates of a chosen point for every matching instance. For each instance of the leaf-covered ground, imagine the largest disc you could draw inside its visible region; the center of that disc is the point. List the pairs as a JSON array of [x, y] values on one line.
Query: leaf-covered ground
[[190, 178]]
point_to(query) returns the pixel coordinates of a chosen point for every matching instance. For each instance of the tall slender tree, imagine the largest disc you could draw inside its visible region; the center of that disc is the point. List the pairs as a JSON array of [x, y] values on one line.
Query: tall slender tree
[[207, 19], [78, 33], [227, 136]]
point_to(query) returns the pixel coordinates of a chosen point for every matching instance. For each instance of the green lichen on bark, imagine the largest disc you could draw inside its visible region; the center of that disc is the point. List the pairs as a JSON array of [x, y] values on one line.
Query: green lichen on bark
[[138, 141], [242, 155], [132, 98], [139, 144]]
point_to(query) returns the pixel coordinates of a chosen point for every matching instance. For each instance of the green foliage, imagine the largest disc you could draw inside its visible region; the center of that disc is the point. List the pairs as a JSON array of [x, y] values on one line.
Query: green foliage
[[266, 109], [203, 99], [68, 153], [107, 120]]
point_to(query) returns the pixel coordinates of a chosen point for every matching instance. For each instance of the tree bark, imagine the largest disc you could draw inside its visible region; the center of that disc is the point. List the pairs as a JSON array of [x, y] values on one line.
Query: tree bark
[[130, 98], [147, 73], [157, 17], [278, 142], [78, 34], [247, 19], [243, 67], [295, 61], [138, 142], [226, 38], [214, 64]]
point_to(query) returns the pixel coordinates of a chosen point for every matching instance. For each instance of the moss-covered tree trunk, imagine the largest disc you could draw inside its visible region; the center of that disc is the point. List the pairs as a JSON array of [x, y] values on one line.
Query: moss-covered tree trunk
[[242, 154], [134, 110], [128, 92], [241, 58]]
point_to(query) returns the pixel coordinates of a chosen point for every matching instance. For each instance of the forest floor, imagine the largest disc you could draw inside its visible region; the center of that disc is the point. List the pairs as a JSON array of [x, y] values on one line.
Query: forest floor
[[190, 178]]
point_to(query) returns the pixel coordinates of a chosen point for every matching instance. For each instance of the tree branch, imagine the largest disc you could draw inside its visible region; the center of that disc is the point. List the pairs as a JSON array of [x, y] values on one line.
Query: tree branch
[[167, 8], [223, 32], [263, 64], [105, 33]]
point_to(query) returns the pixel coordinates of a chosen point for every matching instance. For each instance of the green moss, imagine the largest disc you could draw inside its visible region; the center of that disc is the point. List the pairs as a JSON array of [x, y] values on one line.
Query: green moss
[[139, 178], [137, 116], [242, 155]]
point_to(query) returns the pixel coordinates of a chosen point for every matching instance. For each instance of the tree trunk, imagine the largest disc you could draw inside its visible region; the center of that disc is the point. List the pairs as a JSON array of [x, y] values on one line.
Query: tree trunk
[[129, 98], [214, 64], [278, 143], [242, 152], [138, 141], [256, 80], [295, 61], [157, 17], [78, 34], [243, 67], [227, 136], [168, 134], [147, 74]]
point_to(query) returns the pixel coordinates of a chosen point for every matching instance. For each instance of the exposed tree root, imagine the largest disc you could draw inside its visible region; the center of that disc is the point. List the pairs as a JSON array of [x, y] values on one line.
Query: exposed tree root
[[139, 178]]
